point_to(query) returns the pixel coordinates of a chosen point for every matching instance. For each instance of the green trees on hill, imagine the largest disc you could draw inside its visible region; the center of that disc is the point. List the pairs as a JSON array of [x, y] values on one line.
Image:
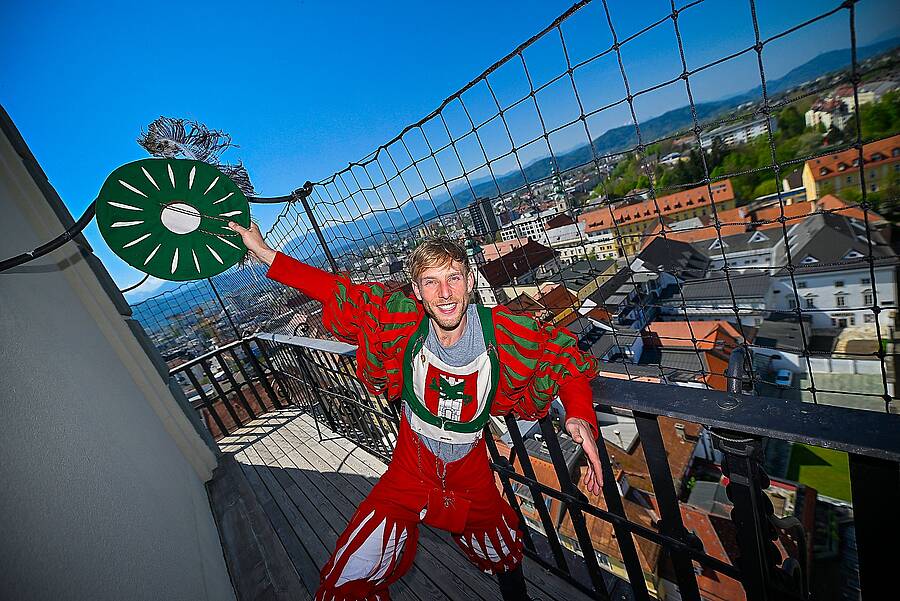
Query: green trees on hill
[[750, 166]]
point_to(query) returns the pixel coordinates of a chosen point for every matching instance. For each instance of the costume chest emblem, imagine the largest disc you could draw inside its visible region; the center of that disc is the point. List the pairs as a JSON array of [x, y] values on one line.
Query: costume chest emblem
[[451, 396]]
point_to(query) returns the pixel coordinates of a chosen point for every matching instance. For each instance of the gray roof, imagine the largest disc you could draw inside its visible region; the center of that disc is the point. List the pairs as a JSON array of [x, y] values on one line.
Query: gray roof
[[711, 497], [744, 286], [581, 273], [832, 242], [782, 330], [677, 365], [741, 242], [599, 341], [677, 258], [611, 291]]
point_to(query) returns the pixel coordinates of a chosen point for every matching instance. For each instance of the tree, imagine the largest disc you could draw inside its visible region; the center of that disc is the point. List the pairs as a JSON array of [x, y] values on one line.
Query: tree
[[765, 188], [882, 118], [791, 122]]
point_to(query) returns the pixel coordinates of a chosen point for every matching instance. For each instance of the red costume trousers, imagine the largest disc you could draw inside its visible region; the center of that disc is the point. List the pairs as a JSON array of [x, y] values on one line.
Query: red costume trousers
[[379, 543]]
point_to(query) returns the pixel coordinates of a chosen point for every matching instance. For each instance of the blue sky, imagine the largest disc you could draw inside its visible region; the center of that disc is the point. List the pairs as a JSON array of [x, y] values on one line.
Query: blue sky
[[306, 87]]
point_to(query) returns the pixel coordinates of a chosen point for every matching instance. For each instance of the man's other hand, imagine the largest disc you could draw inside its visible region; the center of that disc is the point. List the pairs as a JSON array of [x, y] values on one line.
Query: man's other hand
[[582, 434], [253, 240]]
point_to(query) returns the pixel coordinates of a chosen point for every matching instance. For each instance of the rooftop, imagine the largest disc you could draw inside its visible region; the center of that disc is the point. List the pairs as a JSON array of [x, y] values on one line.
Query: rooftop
[[650, 209], [831, 242], [886, 151], [519, 261]]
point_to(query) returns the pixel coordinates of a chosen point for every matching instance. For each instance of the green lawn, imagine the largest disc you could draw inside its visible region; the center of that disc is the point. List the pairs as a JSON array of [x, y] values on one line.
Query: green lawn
[[825, 470]]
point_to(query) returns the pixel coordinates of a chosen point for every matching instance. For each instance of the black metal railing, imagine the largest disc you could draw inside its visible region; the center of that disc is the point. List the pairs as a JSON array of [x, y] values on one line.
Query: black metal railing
[[319, 377], [231, 385]]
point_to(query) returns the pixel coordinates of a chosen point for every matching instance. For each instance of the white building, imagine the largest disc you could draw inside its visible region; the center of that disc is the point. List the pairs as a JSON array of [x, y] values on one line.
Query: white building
[[530, 225], [749, 251], [735, 133], [831, 112], [834, 282]]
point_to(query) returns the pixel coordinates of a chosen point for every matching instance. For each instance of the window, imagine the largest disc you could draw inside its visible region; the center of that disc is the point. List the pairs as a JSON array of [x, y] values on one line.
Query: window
[[865, 281], [801, 284], [792, 304], [809, 259], [873, 187], [868, 298], [839, 283], [868, 318], [840, 300], [852, 323], [810, 302], [853, 254], [849, 179], [758, 237]]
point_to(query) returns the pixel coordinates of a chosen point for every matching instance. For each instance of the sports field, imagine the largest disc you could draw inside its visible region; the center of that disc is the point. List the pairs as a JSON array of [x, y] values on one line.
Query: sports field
[[823, 469]]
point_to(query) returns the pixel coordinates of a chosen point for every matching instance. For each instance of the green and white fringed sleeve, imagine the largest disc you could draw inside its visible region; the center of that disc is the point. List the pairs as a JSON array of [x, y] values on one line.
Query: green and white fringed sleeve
[[379, 322], [538, 360]]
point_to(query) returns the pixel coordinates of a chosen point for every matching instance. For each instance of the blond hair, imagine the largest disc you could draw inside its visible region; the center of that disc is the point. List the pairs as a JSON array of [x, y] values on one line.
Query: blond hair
[[436, 251]]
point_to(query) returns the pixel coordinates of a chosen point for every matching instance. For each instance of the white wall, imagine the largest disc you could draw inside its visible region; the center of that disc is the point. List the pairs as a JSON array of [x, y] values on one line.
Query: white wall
[[103, 474], [822, 285]]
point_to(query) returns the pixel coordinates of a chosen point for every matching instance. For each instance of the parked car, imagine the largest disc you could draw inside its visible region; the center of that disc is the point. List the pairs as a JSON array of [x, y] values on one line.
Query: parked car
[[784, 377]]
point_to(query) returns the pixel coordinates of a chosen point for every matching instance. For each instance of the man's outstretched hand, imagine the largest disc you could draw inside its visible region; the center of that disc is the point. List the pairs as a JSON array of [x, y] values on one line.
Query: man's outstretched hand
[[582, 434], [253, 240]]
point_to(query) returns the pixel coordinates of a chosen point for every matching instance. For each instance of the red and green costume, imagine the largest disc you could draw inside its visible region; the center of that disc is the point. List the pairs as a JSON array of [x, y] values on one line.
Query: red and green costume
[[530, 364]]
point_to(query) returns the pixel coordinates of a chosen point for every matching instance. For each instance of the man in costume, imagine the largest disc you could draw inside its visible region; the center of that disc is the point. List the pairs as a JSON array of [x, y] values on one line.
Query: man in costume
[[453, 364]]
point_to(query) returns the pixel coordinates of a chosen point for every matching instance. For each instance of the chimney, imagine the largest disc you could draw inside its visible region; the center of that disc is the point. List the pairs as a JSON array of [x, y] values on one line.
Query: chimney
[[679, 429]]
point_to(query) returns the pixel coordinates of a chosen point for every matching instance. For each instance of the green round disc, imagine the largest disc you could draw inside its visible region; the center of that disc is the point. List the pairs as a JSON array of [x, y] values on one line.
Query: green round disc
[[169, 218]]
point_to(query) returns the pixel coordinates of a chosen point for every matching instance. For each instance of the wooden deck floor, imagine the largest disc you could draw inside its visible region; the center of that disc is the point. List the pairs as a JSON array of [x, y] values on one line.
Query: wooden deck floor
[[307, 491]]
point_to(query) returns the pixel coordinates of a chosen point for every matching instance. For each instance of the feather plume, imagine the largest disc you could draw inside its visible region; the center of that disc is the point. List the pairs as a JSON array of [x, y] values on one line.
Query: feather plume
[[170, 137]]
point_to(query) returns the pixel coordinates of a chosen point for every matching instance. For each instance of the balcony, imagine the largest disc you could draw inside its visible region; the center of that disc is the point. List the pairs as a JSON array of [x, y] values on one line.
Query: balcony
[[688, 510], [303, 443]]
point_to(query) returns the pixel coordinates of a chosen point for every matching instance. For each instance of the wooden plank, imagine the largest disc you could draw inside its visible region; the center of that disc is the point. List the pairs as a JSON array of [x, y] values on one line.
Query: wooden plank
[[303, 562], [258, 563], [337, 471]]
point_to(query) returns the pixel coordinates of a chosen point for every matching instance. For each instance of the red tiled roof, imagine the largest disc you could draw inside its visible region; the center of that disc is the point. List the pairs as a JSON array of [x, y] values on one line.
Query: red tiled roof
[[495, 250], [717, 543], [833, 165], [558, 221], [708, 334], [602, 219], [832, 203], [518, 262], [736, 221]]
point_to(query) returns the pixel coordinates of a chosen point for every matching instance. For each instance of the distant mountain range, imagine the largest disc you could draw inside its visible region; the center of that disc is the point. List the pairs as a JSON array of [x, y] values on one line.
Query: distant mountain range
[[614, 140]]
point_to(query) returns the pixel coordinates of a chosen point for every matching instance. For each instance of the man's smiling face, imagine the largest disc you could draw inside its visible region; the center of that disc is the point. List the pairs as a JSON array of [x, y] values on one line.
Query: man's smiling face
[[444, 291]]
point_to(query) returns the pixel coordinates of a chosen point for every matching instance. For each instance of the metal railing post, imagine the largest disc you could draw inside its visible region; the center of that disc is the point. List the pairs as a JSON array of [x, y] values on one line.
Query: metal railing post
[[303, 194], [876, 495]]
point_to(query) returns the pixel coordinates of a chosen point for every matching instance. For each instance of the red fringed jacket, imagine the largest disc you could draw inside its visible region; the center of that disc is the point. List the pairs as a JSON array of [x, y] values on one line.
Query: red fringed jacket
[[538, 361]]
